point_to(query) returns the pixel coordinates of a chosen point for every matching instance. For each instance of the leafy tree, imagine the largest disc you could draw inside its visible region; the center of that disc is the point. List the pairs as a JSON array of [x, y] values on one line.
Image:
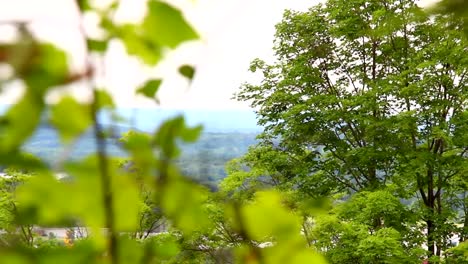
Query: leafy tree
[[371, 227], [367, 95], [15, 232]]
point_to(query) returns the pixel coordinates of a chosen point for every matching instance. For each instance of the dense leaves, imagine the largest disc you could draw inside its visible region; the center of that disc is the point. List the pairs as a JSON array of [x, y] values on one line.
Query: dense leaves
[[365, 100]]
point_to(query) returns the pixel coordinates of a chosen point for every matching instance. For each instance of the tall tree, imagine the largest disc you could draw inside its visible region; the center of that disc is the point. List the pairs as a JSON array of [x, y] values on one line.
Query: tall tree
[[366, 95]]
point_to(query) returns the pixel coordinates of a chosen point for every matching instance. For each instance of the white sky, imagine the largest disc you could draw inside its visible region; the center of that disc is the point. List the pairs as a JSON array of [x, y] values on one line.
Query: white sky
[[233, 32]]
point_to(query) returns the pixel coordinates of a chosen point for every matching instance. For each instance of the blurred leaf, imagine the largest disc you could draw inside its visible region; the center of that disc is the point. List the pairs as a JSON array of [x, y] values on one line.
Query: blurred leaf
[[171, 130], [183, 204], [458, 7], [267, 220], [150, 88], [163, 26], [266, 217], [138, 44], [131, 250], [19, 122], [47, 68], [11, 257], [85, 191], [187, 71], [21, 161], [164, 246], [192, 134], [52, 208], [139, 146], [293, 254], [166, 26], [70, 118], [126, 201], [104, 99], [97, 45], [83, 5]]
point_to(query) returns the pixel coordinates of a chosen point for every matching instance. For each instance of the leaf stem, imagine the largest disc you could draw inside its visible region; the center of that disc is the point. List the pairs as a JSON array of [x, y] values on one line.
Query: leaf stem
[[106, 183]]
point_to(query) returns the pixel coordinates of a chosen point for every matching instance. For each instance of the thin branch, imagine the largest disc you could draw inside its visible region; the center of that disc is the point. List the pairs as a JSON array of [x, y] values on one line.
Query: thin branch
[[103, 162]]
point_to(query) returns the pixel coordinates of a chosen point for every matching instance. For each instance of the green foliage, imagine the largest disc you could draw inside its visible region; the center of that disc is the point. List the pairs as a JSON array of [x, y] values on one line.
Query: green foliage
[[458, 8], [14, 130], [384, 247], [376, 209], [365, 99], [97, 45], [160, 22], [357, 237], [165, 246], [163, 27], [458, 254], [150, 88], [267, 220], [83, 5], [103, 100], [70, 118], [174, 129], [187, 71], [139, 45], [97, 191], [8, 186]]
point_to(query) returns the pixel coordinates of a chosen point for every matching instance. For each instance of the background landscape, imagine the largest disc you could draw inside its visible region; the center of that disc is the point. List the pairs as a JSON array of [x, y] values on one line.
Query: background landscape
[[227, 134]]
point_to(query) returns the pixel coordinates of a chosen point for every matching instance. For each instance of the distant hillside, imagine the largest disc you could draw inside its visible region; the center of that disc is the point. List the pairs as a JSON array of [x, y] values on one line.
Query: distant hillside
[[227, 134], [46, 144], [203, 160]]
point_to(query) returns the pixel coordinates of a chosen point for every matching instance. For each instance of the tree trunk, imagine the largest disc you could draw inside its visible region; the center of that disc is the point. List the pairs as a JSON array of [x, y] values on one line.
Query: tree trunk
[[464, 231], [430, 206], [430, 238]]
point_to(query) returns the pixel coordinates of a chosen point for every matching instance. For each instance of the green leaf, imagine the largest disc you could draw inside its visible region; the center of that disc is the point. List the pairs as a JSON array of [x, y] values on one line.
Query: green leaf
[[47, 68], [131, 251], [126, 201], [183, 204], [20, 121], [70, 118], [267, 217], [139, 146], [51, 208], [170, 131], [83, 5], [104, 99], [187, 71], [97, 45], [163, 26], [150, 88], [139, 44], [191, 135], [166, 26]]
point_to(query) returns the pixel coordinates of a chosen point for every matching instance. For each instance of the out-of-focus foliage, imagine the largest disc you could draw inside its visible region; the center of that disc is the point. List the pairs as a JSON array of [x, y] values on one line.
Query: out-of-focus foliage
[[137, 209], [458, 8]]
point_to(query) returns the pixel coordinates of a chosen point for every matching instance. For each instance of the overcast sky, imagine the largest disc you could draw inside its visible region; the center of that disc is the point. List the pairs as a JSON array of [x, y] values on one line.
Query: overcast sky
[[233, 32]]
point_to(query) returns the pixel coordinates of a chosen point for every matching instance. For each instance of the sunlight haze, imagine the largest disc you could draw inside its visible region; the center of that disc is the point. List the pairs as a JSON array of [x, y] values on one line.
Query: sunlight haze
[[233, 32]]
